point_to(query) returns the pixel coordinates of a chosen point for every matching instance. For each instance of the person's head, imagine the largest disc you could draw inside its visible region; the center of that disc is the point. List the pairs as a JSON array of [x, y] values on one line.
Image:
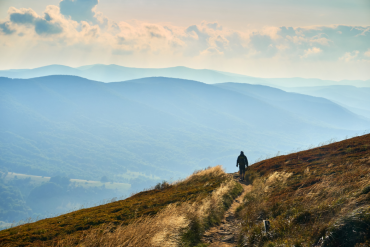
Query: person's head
[[241, 152]]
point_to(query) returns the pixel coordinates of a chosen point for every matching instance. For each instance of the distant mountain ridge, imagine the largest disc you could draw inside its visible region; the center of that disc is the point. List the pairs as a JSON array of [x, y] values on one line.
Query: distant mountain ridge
[[154, 128], [115, 73], [353, 98], [162, 126], [315, 109]]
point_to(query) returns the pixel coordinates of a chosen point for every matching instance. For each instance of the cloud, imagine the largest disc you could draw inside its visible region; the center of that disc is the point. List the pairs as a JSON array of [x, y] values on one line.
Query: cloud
[[367, 53], [5, 28], [76, 23], [79, 10], [43, 26], [214, 26], [320, 39], [263, 44], [333, 41], [287, 31], [154, 31], [22, 16], [211, 51], [260, 42], [349, 56], [311, 51], [28, 17]]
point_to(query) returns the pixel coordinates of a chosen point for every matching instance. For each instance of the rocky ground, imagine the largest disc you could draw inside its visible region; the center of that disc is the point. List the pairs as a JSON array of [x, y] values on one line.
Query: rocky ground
[[226, 233]]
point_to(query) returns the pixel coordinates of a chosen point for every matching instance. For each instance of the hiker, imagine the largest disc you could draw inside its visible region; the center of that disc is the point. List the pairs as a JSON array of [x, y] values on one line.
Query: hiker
[[242, 161]]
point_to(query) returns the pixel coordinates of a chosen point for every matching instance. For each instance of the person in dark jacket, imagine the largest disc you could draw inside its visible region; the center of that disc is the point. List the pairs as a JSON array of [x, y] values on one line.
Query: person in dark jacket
[[242, 161]]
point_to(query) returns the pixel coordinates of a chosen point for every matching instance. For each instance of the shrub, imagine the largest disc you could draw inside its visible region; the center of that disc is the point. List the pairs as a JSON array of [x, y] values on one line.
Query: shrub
[[162, 186], [365, 190], [302, 218]]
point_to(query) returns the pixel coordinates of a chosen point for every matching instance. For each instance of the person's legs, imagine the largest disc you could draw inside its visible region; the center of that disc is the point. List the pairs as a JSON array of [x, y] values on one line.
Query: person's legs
[[242, 172]]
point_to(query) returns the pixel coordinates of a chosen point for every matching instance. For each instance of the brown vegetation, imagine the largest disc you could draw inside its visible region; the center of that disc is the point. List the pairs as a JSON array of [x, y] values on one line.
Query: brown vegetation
[[172, 214], [318, 197]]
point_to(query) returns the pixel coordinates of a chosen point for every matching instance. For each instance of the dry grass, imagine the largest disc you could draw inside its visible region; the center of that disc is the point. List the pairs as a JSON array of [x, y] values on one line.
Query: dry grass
[[170, 227], [168, 216], [318, 197], [160, 230]]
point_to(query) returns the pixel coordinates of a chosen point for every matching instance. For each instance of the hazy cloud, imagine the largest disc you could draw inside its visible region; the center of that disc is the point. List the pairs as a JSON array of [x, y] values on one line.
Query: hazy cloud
[[311, 51], [263, 44], [349, 56], [214, 26], [22, 16], [76, 25], [154, 31], [367, 53], [5, 28], [79, 10], [43, 26], [319, 42], [287, 31], [28, 17]]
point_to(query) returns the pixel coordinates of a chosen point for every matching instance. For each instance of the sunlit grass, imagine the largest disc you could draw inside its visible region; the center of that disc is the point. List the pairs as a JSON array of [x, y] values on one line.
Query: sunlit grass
[[318, 197], [197, 202]]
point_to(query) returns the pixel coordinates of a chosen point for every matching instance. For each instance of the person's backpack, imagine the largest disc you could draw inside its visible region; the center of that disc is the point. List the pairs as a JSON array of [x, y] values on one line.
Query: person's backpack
[[242, 160]]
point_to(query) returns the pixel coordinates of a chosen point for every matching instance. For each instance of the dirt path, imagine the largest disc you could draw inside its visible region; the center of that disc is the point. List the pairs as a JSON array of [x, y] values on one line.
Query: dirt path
[[226, 233]]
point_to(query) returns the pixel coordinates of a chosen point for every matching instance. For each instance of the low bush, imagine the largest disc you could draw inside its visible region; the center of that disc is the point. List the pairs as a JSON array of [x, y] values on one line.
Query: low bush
[[162, 186]]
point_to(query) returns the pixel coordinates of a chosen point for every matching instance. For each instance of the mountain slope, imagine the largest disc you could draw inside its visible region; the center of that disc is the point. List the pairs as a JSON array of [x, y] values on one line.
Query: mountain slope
[[353, 98], [96, 123], [317, 197], [155, 126], [313, 82], [203, 187], [316, 109]]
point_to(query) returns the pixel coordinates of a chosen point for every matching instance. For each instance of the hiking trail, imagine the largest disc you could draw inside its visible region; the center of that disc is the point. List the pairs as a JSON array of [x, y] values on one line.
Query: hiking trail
[[225, 234]]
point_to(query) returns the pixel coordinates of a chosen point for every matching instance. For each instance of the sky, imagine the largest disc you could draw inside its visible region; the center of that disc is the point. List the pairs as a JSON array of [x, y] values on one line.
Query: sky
[[263, 38]]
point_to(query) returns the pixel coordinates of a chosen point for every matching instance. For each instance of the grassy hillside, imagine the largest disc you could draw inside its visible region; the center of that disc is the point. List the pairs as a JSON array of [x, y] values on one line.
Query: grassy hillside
[[318, 197], [210, 191]]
